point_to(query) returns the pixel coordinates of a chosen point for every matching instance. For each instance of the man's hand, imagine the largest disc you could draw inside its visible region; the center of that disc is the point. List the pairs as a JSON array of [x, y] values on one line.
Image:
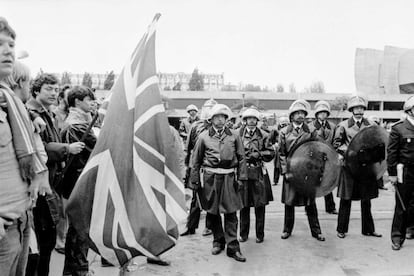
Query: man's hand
[[3, 224], [392, 179], [341, 159], [39, 186], [195, 186], [34, 191], [76, 148], [39, 124], [240, 185]]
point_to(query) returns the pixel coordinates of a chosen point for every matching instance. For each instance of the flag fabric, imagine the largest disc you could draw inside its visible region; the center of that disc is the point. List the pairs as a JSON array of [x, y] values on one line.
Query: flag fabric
[[129, 198]]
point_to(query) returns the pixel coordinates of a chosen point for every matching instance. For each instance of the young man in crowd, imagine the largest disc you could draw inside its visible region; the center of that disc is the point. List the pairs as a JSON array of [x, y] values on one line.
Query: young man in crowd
[[48, 210], [80, 105], [22, 168]]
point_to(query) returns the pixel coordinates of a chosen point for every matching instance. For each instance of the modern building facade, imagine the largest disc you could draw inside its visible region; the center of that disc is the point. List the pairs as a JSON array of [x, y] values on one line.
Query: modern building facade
[[389, 71], [386, 107]]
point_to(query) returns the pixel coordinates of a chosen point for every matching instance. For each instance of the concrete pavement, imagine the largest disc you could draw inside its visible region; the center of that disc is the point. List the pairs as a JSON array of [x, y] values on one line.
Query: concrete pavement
[[299, 255]]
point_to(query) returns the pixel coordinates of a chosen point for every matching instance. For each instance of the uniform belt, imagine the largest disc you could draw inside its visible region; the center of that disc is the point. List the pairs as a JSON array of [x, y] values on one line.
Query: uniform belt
[[220, 170]]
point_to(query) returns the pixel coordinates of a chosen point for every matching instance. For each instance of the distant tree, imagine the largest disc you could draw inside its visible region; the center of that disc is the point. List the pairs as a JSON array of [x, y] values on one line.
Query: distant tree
[[292, 88], [65, 78], [251, 87], [265, 89], [87, 80], [177, 86], [280, 88], [248, 102], [340, 103], [167, 88], [229, 87], [40, 72], [316, 87], [109, 81], [196, 82]]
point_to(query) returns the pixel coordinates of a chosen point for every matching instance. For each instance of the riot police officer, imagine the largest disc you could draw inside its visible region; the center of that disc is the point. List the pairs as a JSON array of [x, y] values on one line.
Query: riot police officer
[[186, 123], [324, 131], [219, 172], [258, 192], [296, 132], [401, 151], [349, 188], [274, 139], [196, 129]]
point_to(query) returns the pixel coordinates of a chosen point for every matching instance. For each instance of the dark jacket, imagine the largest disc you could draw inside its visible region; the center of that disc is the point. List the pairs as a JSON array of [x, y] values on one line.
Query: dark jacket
[[289, 138], [323, 133], [401, 150], [219, 193], [258, 149], [196, 129], [71, 134], [57, 153], [348, 187], [185, 126]]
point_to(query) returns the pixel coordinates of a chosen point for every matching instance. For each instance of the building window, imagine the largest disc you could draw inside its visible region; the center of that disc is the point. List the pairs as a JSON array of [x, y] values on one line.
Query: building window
[[374, 105], [393, 106]]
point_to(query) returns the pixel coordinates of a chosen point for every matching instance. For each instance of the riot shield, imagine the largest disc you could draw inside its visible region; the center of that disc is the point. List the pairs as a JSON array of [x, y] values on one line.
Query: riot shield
[[366, 155], [313, 168]]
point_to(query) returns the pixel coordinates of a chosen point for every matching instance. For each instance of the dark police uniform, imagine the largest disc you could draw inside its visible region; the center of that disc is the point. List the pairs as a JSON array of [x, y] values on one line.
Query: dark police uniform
[[348, 190], [258, 192], [289, 138], [195, 210], [401, 151], [325, 132]]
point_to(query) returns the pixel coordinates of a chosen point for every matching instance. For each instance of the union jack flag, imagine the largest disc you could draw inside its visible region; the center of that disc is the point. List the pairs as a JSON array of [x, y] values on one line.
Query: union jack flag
[[129, 197]]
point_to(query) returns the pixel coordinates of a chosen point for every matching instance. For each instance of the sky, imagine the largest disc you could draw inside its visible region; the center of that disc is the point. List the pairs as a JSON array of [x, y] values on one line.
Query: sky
[[263, 42]]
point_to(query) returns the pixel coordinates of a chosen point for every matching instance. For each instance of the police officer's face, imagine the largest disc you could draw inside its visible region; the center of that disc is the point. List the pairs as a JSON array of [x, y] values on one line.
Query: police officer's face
[[358, 112], [299, 117], [322, 115], [218, 121], [192, 113], [251, 121], [411, 112]]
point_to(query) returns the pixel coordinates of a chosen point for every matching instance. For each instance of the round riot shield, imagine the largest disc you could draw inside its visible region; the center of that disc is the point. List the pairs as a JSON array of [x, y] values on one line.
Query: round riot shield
[[366, 155], [313, 169]]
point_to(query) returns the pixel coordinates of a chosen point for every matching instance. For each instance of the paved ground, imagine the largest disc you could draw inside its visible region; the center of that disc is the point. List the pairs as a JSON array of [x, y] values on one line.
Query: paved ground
[[299, 255]]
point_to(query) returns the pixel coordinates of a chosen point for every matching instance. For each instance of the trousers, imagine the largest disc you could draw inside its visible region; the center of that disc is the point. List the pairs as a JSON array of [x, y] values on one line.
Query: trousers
[[195, 212], [228, 235], [329, 203], [14, 248], [45, 233], [245, 221], [366, 216], [402, 219], [311, 212]]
